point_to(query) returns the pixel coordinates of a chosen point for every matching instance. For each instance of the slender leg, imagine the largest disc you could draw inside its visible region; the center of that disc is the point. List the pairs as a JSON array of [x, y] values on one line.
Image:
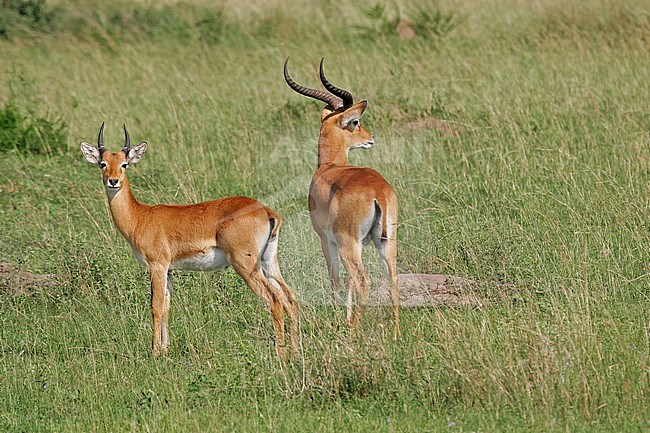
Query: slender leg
[[330, 251], [265, 290], [246, 266], [387, 248], [277, 314], [158, 276], [357, 280], [165, 314], [288, 299], [362, 293], [280, 289], [388, 253]]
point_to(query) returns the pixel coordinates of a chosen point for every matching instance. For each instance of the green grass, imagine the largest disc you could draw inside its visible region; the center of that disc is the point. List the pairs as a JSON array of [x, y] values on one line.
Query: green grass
[[541, 195]]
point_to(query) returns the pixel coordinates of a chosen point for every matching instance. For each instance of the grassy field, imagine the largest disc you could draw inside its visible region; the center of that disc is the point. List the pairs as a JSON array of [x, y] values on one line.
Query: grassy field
[[517, 137]]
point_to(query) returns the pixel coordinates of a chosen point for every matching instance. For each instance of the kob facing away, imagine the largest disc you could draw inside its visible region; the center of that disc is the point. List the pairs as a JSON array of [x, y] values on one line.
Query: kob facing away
[[350, 206]]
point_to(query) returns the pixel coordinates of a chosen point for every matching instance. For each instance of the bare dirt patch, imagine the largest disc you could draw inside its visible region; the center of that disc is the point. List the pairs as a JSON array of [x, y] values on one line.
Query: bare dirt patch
[[14, 282], [405, 29]]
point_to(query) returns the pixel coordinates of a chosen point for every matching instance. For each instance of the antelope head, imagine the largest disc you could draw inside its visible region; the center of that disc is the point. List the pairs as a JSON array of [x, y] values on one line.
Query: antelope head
[[113, 165], [341, 117]]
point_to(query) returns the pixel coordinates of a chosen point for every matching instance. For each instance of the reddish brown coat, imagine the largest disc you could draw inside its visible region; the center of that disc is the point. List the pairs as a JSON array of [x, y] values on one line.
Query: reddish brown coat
[[237, 231]]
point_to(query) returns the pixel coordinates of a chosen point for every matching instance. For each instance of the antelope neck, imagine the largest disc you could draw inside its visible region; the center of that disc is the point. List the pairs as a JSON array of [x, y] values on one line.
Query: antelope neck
[[124, 210], [331, 152]]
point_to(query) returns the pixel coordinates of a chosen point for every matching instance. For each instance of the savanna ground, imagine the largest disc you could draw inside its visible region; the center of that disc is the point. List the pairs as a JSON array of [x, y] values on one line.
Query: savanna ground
[[515, 133]]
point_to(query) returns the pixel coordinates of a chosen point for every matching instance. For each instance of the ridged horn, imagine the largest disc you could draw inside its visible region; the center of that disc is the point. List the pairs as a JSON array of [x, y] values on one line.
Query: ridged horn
[[127, 142], [100, 140], [325, 97], [346, 96]]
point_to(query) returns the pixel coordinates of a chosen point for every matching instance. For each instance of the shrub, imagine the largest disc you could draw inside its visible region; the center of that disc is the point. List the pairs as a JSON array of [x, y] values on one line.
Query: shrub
[[34, 14], [424, 23], [28, 133]]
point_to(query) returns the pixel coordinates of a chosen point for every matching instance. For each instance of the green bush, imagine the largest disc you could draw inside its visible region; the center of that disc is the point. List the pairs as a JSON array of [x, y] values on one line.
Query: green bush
[[417, 23], [29, 134], [34, 14], [434, 23]]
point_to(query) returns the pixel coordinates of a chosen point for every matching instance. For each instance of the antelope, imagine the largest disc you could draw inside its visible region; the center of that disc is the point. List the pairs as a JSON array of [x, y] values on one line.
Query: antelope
[[237, 231], [350, 206]]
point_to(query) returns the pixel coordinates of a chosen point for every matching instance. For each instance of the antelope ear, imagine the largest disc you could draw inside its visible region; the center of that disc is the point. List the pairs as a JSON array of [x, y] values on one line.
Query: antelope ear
[[136, 153], [91, 153], [353, 113], [327, 112]]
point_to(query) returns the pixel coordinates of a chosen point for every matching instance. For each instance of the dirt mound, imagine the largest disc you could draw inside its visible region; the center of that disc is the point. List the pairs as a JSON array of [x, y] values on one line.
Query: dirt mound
[[443, 127], [446, 128], [13, 281], [421, 290]]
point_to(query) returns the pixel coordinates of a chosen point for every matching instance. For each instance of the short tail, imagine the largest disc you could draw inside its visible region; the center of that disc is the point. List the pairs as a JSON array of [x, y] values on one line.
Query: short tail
[[384, 221], [271, 247], [275, 223], [378, 229]]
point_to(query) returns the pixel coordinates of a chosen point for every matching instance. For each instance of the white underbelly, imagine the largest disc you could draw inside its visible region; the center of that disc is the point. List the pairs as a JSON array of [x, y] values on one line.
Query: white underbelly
[[210, 260]]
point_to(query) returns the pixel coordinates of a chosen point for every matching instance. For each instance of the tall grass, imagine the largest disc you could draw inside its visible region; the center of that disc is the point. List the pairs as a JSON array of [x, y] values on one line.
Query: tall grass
[[518, 145]]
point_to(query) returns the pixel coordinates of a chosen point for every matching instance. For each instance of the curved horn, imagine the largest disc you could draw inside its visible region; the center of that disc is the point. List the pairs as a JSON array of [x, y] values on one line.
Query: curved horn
[[312, 93], [346, 96], [100, 139], [127, 142]]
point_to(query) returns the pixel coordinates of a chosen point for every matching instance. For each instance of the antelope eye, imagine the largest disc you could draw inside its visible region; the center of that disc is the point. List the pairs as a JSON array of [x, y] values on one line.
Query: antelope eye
[[123, 165], [355, 122], [102, 164]]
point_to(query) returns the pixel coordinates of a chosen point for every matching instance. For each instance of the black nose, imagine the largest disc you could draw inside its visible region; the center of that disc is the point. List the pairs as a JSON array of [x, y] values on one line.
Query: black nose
[[112, 182]]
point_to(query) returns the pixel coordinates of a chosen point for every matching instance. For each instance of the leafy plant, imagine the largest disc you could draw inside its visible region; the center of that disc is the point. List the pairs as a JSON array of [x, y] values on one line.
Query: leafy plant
[[380, 22], [434, 23], [35, 14], [28, 133], [421, 22]]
